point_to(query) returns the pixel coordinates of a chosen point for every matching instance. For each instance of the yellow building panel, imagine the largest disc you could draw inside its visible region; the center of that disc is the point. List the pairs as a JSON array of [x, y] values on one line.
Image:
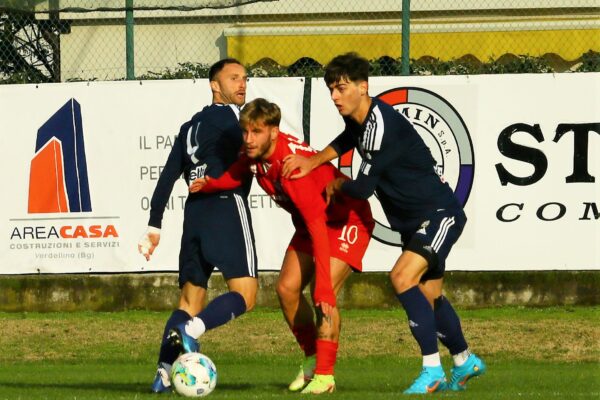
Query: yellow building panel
[[286, 49]]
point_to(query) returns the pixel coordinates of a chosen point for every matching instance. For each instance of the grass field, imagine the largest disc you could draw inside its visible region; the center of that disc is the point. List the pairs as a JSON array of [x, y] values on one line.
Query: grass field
[[531, 353]]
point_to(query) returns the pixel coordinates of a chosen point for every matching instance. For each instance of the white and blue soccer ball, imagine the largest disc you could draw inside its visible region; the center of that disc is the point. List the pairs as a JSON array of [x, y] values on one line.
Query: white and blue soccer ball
[[194, 375]]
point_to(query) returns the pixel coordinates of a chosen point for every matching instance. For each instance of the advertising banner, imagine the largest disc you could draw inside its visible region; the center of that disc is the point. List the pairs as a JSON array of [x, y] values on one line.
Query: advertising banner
[[81, 160]]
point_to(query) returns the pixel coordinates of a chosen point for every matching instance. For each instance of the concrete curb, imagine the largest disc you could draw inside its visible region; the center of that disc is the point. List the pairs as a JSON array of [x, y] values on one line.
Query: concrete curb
[[159, 291]]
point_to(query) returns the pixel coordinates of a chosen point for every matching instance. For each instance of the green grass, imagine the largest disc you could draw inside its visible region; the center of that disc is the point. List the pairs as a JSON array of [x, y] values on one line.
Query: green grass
[[252, 377], [529, 352]]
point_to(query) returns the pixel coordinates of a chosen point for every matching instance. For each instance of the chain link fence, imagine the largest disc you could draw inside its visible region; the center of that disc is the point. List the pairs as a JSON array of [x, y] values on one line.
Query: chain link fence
[[66, 40]]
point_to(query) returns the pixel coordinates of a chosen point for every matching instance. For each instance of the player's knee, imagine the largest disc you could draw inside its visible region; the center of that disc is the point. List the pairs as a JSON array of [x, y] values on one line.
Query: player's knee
[[402, 280], [287, 291]]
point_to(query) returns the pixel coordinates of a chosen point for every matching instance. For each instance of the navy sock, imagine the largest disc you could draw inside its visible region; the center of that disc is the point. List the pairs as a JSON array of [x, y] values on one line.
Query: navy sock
[[421, 319], [223, 309], [168, 353], [448, 326]]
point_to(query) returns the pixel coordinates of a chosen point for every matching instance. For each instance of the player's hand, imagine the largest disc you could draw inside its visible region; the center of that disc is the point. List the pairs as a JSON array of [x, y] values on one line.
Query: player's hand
[[325, 300], [327, 310], [293, 162], [198, 184], [333, 187], [148, 242]]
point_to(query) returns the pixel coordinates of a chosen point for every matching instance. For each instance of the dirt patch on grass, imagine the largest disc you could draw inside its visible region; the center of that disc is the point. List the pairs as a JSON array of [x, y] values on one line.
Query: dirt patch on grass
[[54, 338]]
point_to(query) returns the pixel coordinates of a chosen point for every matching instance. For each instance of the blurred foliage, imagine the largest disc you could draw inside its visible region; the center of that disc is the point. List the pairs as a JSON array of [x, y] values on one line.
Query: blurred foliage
[[384, 66], [387, 66], [27, 5], [187, 70], [590, 62]]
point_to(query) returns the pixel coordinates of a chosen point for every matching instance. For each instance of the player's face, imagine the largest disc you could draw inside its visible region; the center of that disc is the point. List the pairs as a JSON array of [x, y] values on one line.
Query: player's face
[[260, 140], [347, 96], [229, 86]]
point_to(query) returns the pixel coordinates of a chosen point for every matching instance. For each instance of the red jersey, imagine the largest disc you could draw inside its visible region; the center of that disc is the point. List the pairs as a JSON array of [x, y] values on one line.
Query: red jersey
[[303, 198]]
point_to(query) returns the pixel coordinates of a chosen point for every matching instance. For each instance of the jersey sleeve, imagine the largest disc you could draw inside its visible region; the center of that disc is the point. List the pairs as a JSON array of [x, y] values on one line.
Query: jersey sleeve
[[235, 176], [311, 205], [370, 172], [169, 175], [344, 142]]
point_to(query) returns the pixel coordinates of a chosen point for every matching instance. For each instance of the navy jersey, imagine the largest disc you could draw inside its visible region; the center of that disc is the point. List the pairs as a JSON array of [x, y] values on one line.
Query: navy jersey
[[396, 165], [206, 145]]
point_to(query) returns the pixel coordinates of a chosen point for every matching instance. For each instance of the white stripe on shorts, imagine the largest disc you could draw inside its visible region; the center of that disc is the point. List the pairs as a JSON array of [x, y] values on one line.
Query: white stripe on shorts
[[247, 234], [440, 236]]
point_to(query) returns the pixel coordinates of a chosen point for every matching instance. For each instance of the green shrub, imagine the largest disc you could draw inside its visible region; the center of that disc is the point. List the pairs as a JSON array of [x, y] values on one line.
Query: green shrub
[[590, 62], [383, 66]]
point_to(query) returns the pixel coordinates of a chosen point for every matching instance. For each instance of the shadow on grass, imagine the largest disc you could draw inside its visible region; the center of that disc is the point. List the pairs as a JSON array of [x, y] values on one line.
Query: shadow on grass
[[112, 387]]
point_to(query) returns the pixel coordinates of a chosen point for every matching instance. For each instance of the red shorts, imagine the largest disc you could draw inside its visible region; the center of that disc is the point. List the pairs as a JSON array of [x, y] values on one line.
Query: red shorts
[[347, 242]]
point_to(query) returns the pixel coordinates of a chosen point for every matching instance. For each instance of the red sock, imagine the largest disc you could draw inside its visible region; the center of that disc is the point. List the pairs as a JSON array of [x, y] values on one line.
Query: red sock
[[326, 355], [306, 336]]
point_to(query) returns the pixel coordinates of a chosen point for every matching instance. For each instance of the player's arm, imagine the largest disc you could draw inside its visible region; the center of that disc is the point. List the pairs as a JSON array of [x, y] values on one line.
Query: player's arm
[[309, 202], [369, 174], [324, 295], [237, 173], [303, 165], [169, 175]]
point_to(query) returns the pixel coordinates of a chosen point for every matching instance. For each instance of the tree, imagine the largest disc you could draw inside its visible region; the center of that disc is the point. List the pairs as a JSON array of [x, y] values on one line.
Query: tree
[[29, 47]]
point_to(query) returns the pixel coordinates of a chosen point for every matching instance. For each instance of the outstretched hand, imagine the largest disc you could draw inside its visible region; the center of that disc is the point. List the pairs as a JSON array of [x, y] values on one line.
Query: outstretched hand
[[293, 162], [198, 184]]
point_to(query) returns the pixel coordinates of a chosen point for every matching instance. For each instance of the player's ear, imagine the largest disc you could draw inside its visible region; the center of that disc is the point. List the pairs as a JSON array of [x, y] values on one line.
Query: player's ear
[[363, 88], [214, 86], [274, 132]]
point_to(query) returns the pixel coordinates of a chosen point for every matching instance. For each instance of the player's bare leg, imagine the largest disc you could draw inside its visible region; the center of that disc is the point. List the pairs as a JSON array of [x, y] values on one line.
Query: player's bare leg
[[405, 277], [329, 333], [330, 330], [296, 273], [192, 298], [247, 286]]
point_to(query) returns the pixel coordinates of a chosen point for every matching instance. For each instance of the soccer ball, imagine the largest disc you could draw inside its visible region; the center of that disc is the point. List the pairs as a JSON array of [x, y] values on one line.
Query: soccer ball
[[193, 375]]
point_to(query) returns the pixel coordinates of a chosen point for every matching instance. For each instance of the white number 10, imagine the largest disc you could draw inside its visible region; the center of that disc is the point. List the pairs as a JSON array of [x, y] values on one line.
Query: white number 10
[[349, 234]]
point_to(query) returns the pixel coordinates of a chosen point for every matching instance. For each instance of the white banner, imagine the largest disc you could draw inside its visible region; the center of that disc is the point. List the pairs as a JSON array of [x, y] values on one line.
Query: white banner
[[521, 152], [105, 143]]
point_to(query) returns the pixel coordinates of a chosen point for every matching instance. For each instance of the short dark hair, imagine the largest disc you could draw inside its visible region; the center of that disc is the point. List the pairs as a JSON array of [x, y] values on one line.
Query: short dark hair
[[260, 110], [219, 65], [349, 66]]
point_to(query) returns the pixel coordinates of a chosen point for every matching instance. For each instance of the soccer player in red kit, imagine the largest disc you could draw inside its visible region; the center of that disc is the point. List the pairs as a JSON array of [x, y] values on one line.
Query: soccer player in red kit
[[330, 239]]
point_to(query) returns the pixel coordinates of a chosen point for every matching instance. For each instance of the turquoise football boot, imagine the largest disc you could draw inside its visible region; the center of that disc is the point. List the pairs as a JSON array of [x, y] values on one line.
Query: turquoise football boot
[[431, 379], [473, 367]]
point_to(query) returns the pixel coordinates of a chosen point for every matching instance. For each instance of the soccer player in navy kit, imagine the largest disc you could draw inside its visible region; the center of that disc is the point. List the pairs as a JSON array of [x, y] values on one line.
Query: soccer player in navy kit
[[399, 168], [217, 230]]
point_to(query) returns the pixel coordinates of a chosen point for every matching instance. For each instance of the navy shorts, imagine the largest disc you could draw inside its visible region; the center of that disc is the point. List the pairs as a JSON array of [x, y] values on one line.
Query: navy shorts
[[217, 233], [432, 237]]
